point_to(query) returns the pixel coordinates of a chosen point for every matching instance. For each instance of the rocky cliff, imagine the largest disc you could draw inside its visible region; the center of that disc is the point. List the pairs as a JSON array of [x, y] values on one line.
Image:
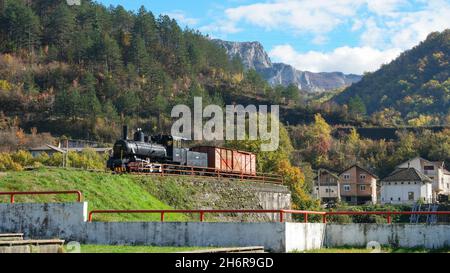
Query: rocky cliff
[[254, 56]]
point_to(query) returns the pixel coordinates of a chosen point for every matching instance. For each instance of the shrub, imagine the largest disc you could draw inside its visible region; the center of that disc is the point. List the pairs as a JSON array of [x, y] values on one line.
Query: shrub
[[24, 158], [55, 160], [7, 163]]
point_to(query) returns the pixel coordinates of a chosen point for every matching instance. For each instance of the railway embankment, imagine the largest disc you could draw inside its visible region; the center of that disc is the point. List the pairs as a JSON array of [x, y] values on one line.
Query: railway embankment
[[108, 191]]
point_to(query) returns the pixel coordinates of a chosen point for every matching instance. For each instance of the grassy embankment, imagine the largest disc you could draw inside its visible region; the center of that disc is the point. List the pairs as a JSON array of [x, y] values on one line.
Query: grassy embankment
[[101, 190]]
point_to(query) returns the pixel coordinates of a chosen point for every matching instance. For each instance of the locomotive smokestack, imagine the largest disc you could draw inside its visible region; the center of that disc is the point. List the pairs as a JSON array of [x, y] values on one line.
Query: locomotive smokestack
[[125, 132]]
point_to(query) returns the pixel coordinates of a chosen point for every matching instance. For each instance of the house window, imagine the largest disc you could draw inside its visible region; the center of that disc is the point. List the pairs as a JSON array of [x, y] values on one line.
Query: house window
[[346, 176], [392, 199], [428, 168], [362, 176], [411, 196], [346, 187], [399, 199], [362, 187]]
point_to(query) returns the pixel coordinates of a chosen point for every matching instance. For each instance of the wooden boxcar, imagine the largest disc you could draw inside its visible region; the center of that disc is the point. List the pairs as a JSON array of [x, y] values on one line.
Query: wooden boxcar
[[229, 160]]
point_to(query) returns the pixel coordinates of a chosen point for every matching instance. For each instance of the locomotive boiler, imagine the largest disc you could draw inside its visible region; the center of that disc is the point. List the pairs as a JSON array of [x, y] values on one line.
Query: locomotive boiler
[[148, 152]]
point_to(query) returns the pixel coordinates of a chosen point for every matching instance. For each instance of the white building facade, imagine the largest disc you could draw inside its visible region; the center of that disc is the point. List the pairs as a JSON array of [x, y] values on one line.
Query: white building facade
[[436, 171], [406, 186]]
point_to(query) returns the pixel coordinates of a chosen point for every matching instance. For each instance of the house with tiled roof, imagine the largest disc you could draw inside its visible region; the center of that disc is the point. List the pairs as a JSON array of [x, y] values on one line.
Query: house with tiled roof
[[326, 186], [435, 170], [358, 185], [406, 186]]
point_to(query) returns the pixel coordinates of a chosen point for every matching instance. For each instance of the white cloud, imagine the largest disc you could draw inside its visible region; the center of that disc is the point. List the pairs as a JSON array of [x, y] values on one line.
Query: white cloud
[[373, 35], [385, 23], [414, 27], [182, 18], [385, 7], [355, 60], [385, 28], [296, 15], [405, 29], [220, 28]]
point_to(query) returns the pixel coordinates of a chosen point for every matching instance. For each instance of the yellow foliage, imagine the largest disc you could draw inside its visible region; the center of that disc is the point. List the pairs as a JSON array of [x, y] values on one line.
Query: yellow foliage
[[5, 85], [294, 178], [238, 78], [23, 158], [422, 120], [7, 163]]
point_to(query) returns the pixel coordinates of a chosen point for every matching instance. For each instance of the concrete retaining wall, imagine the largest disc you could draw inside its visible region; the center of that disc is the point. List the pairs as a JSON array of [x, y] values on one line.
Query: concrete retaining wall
[[300, 237], [68, 222], [46, 221], [269, 235], [396, 235]]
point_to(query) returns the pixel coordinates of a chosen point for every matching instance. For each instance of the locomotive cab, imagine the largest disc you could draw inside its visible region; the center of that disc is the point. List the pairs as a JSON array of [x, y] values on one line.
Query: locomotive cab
[[174, 146]]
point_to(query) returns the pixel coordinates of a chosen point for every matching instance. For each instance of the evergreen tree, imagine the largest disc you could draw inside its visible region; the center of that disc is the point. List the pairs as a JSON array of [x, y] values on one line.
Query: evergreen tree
[[59, 30], [356, 106], [20, 27]]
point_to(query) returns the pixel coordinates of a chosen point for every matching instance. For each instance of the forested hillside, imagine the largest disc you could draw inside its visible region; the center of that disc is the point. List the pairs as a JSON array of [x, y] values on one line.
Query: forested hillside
[[84, 70], [416, 85]]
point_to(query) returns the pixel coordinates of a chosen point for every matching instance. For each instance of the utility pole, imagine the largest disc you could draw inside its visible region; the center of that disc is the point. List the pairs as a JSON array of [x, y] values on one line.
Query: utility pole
[[318, 184], [67, 151]]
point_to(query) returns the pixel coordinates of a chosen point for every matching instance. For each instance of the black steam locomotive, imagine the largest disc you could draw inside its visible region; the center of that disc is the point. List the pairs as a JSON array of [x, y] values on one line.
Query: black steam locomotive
[[148, 152]]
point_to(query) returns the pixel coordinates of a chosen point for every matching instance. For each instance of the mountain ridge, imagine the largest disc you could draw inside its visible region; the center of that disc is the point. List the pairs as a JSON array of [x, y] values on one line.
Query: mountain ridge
[[253, 56]]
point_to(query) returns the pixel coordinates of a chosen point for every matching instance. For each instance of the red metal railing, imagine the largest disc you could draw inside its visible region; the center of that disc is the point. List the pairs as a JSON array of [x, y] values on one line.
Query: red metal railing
[[170, 169], [281, 213], [203, 212], [13, 194], [389, 214]]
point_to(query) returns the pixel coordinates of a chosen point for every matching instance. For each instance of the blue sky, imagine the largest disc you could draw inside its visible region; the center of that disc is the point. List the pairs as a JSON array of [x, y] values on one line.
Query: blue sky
[[352, 36]]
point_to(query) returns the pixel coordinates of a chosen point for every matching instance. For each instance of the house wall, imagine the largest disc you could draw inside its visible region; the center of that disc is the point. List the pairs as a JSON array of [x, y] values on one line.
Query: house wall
[[439, 185], [328, 192], [355, 182], [447, 183], [326, 187], [396, 191]]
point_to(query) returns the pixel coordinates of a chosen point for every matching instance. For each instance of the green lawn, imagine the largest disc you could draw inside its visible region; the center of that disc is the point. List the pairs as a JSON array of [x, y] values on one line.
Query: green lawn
[[383, 250], [135, 249], [101, 190]]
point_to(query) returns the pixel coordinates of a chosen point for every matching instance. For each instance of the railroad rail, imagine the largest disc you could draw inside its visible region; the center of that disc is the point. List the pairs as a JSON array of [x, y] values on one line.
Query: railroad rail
[[178, 170]]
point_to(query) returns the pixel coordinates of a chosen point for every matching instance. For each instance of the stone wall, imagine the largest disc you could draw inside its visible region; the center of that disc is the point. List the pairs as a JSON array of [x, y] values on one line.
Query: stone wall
[[210, 193]]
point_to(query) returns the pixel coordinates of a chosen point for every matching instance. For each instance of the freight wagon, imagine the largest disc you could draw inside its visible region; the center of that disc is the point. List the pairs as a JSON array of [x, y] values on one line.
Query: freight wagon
[[228, 160]]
